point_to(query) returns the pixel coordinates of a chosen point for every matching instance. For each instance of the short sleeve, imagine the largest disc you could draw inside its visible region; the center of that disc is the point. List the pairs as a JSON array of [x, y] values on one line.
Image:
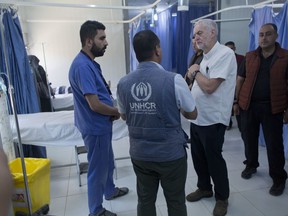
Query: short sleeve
[[183, 95]]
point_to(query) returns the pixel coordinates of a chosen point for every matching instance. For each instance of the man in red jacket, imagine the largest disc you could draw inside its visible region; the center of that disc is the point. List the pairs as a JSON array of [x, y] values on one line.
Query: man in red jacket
[[262, 95]]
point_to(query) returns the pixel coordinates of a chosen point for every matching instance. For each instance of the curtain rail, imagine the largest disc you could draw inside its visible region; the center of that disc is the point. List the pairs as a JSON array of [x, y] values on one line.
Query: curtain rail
[[81, 21], [49, 4], [86, 6], [239, 7]]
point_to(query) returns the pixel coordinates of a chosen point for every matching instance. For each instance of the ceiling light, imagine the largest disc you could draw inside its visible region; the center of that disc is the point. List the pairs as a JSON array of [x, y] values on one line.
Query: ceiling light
[[155, 15], [183, 5]]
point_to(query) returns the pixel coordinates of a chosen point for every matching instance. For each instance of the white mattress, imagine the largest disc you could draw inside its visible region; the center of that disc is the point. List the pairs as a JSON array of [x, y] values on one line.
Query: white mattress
[[63, 101], [55, 129]]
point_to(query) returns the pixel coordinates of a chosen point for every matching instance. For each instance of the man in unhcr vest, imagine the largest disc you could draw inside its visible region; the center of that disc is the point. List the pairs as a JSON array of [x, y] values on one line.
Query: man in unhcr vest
[[151, 99]]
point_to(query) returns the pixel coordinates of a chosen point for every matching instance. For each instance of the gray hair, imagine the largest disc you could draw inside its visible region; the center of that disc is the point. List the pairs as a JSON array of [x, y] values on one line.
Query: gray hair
[[209, 24]]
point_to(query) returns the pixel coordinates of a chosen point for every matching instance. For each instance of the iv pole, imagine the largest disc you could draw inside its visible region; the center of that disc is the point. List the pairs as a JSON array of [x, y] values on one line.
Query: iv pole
[[12, 99], [46, 74]]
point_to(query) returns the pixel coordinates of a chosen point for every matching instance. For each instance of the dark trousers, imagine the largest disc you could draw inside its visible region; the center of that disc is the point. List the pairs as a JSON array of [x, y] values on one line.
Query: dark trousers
[[272, 125], [206, 150], [172, 177], [238, 118]]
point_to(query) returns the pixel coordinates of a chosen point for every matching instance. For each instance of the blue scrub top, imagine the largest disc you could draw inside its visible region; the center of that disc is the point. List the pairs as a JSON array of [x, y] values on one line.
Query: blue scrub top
[[85, 78]]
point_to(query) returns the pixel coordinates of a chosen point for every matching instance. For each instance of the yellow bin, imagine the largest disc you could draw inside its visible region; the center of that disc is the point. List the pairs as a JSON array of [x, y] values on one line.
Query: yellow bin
[[38, 176]]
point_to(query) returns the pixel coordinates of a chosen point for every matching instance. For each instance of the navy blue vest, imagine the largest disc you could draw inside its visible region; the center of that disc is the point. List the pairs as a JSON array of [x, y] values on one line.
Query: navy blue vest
[[153, 118]]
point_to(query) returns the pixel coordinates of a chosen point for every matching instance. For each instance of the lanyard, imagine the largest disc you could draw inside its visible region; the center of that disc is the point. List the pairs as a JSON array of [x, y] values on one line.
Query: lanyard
[[100, 73]]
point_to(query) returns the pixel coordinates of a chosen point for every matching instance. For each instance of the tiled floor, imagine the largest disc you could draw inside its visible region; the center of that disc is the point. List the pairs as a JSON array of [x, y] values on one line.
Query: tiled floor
[[247, 198]]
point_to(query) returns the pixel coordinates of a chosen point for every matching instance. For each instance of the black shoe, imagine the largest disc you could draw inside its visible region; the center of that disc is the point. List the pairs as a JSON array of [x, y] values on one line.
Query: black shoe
[[198, 194], [220, 208], [247, 172], [104, 213], [119, 192], [277, 189]]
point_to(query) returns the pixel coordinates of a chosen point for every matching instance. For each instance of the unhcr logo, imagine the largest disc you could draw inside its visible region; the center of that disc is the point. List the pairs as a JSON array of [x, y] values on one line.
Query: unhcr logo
[[141, 92]]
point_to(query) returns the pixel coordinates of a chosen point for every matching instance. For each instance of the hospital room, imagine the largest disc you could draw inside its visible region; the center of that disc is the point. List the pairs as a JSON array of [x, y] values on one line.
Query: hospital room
[[71, 91]]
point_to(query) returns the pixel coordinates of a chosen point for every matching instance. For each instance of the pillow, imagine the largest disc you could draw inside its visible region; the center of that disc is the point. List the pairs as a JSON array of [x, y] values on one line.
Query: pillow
[[69, 90], [63, 90]]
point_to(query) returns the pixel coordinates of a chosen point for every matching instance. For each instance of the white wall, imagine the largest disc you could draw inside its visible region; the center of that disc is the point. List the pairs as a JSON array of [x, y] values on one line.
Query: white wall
[[55, 32]]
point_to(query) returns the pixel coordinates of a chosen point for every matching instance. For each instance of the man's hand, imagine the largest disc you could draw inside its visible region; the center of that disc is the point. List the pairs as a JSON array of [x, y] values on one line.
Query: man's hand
[[236, 109], [115, 117], [194, 67]]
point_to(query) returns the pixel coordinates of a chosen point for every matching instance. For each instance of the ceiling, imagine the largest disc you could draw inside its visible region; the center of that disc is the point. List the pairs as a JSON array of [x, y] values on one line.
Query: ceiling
[[162, 5], [132, 9]]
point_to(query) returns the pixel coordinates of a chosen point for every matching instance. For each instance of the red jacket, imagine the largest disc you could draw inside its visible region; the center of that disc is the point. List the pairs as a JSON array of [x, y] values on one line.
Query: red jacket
[[278, 79]]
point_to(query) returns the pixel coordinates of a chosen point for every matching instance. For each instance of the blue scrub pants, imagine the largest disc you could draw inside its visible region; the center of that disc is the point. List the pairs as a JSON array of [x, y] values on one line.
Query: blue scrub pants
[[100, 171]]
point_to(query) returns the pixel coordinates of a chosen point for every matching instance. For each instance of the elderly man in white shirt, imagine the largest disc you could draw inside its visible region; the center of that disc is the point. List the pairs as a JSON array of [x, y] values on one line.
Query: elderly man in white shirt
[[213, 90]]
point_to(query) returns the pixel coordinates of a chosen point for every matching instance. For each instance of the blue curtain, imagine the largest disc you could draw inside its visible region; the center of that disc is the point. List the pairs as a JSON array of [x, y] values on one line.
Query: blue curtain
[[134, 27], [282, 24], [163, 29], [22, 79], [183, 37], [21, 76], [266, 15], [174, 34]]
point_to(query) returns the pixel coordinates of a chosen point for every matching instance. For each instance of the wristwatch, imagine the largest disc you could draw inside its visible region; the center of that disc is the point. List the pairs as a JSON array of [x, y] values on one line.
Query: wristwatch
[[194, 73]]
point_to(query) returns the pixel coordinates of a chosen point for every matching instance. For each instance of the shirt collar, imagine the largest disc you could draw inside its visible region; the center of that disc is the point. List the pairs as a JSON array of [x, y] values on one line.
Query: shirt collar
[[212, 51], [151, 62], [84, 53]]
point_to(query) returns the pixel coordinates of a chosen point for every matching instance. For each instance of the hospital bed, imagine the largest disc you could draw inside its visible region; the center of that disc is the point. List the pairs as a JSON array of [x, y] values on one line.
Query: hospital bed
[[62, 102], [57, 129]]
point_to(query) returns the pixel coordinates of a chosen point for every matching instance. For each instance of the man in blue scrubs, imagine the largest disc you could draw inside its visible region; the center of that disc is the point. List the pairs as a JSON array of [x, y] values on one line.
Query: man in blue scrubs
[[94, 115]]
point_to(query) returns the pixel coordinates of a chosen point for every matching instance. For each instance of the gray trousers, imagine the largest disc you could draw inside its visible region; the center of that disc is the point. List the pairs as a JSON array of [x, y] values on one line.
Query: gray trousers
[[172, 177]]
